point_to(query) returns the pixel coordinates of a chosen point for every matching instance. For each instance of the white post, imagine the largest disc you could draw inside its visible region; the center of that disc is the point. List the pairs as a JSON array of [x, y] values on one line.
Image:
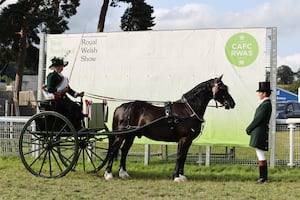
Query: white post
[[34, 147], [147, 154], [207, 158], [41, 66], [291, 127], [200, 161], [6, 108], [6, 114]]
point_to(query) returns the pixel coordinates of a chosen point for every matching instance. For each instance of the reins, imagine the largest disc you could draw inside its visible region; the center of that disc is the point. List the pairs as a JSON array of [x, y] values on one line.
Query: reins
[[76, 53], [106, 98], [95, 96]]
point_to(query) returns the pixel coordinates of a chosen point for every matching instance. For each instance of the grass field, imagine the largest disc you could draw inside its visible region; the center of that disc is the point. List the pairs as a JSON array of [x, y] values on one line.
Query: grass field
[[150, 182]]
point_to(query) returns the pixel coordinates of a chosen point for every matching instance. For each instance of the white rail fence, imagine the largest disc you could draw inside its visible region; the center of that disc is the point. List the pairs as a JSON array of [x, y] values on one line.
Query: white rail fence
[[287, 145], [10, 129], [293, 128]]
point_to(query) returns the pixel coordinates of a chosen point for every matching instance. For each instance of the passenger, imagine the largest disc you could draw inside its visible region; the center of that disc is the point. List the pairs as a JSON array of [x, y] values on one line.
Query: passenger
[[57, 88], [258, 129]]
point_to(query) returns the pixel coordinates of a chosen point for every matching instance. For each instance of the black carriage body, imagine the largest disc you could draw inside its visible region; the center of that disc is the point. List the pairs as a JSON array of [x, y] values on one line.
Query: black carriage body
[[50, 147]]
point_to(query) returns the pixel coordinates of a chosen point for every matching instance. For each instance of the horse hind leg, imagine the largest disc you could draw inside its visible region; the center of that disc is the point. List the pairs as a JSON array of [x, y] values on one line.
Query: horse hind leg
[[124, 152], [115, 146]]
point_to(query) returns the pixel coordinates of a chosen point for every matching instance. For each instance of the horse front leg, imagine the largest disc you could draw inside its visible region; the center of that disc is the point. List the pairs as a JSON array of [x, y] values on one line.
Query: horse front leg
[[115, 146], [124, 152], [182, 150]]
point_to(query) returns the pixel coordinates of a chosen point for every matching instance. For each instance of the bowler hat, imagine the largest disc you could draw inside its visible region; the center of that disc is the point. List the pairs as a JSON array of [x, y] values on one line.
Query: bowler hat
[[264, 87], [58, 62]]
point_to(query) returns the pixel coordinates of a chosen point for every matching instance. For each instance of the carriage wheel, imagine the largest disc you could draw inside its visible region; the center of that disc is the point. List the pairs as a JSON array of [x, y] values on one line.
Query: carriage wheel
[[93, 151], [48, 145]]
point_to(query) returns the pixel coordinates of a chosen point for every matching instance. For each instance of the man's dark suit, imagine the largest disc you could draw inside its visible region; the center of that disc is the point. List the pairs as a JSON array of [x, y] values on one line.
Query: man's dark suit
[[259, 127]]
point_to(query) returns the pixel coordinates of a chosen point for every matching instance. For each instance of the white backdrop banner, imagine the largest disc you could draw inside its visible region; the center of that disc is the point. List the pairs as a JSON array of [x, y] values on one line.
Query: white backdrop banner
[[163, 65]]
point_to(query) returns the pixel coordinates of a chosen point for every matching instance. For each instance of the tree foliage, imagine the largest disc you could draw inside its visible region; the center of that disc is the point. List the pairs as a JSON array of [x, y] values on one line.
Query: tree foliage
[[29, 18], [297, 74], [293, 87], [285, 75], [287, 79], [137, 17], [22, 22]]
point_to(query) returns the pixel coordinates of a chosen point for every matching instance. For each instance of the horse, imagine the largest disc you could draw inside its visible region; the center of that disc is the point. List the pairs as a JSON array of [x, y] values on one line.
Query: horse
[[178, 121]]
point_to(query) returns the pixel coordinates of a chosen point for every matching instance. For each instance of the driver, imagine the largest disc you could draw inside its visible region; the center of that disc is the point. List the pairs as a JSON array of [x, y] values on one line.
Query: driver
[[56, 90]]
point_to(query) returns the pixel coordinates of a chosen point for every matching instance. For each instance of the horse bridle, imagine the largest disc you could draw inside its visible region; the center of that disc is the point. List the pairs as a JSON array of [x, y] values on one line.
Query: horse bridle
[[215, 89]]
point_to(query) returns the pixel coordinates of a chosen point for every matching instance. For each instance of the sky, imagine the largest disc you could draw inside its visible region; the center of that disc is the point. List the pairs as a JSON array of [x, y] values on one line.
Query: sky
[[201, 14]]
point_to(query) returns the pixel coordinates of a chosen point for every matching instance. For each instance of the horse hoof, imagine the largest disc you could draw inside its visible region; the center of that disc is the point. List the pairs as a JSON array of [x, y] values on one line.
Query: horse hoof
[[108, 176], [123, 174], [183, 177], [180, 179]]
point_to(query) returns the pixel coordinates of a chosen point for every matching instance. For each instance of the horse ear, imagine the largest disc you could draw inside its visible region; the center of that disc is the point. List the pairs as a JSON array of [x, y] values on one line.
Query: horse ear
[[220, 78]]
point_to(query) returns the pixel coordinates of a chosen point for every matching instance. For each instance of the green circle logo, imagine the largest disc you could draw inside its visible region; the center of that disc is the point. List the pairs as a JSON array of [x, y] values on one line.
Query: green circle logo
[[241, 49]]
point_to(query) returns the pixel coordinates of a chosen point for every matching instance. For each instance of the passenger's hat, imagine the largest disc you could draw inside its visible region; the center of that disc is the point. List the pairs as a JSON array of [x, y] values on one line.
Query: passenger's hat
[[58, 62], [264, 87]]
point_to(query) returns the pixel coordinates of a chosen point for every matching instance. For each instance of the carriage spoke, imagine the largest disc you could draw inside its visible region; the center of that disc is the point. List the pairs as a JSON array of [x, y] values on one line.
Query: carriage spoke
[[43, 162], [68, 157], [83, 151], [91, 160], [35, 160], [48, 149], [97, 155], [56, 160]]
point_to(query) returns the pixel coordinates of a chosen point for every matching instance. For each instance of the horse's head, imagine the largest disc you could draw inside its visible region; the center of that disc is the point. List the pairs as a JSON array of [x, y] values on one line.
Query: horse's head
[[221, 94]]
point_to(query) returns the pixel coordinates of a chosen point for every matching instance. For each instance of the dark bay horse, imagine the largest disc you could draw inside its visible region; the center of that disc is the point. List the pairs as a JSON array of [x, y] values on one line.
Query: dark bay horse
[[178, 121]]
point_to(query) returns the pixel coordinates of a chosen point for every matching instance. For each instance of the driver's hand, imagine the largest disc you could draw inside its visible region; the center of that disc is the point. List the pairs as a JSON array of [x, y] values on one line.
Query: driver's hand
[[81, 94]]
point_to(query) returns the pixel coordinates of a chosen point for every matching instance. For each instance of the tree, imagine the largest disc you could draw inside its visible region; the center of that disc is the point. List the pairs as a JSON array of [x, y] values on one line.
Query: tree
[[22, 22], [103, 12], [137, 17], [102, 16], [285, 75], [293, 87], [298, 74]]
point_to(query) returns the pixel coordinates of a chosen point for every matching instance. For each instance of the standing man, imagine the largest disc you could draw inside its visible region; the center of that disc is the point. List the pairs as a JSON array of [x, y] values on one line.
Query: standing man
[[58, 87], [258, 129]]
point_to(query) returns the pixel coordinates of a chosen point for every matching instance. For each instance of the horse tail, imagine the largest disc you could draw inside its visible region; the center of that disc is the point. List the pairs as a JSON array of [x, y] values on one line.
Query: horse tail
[[121, 120]]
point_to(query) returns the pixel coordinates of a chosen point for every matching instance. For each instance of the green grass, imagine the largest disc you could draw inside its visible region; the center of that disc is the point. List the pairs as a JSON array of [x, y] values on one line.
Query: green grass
[[150, 182]]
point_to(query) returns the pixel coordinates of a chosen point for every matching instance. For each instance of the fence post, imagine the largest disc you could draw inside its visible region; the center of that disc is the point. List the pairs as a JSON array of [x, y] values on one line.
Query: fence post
[[6, 108], [34, 147], [200, 161], [166, 153], [41, 67], [147, 154], [207, 158], [292, 128]]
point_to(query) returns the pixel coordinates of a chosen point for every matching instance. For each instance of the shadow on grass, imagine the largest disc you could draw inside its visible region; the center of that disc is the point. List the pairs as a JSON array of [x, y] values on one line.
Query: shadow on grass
[[158, 170], [163, 171], [191, 177]]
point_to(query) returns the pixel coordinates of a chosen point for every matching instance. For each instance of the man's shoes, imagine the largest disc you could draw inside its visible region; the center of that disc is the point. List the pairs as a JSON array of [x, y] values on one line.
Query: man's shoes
[[261, 180]]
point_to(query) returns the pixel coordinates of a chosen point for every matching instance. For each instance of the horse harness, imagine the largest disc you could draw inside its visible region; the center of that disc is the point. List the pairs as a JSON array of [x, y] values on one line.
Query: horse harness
[[172, 120]]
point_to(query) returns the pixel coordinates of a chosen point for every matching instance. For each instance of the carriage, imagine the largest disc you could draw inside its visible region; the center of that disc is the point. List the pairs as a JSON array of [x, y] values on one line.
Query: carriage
[[50, 147]]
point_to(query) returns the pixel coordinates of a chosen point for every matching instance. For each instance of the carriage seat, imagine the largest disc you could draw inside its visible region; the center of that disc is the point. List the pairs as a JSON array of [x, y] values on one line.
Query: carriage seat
[[46, 105]]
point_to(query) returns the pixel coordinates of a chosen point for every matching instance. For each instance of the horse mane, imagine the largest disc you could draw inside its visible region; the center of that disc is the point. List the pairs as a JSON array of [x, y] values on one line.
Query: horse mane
[[199, 96]]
